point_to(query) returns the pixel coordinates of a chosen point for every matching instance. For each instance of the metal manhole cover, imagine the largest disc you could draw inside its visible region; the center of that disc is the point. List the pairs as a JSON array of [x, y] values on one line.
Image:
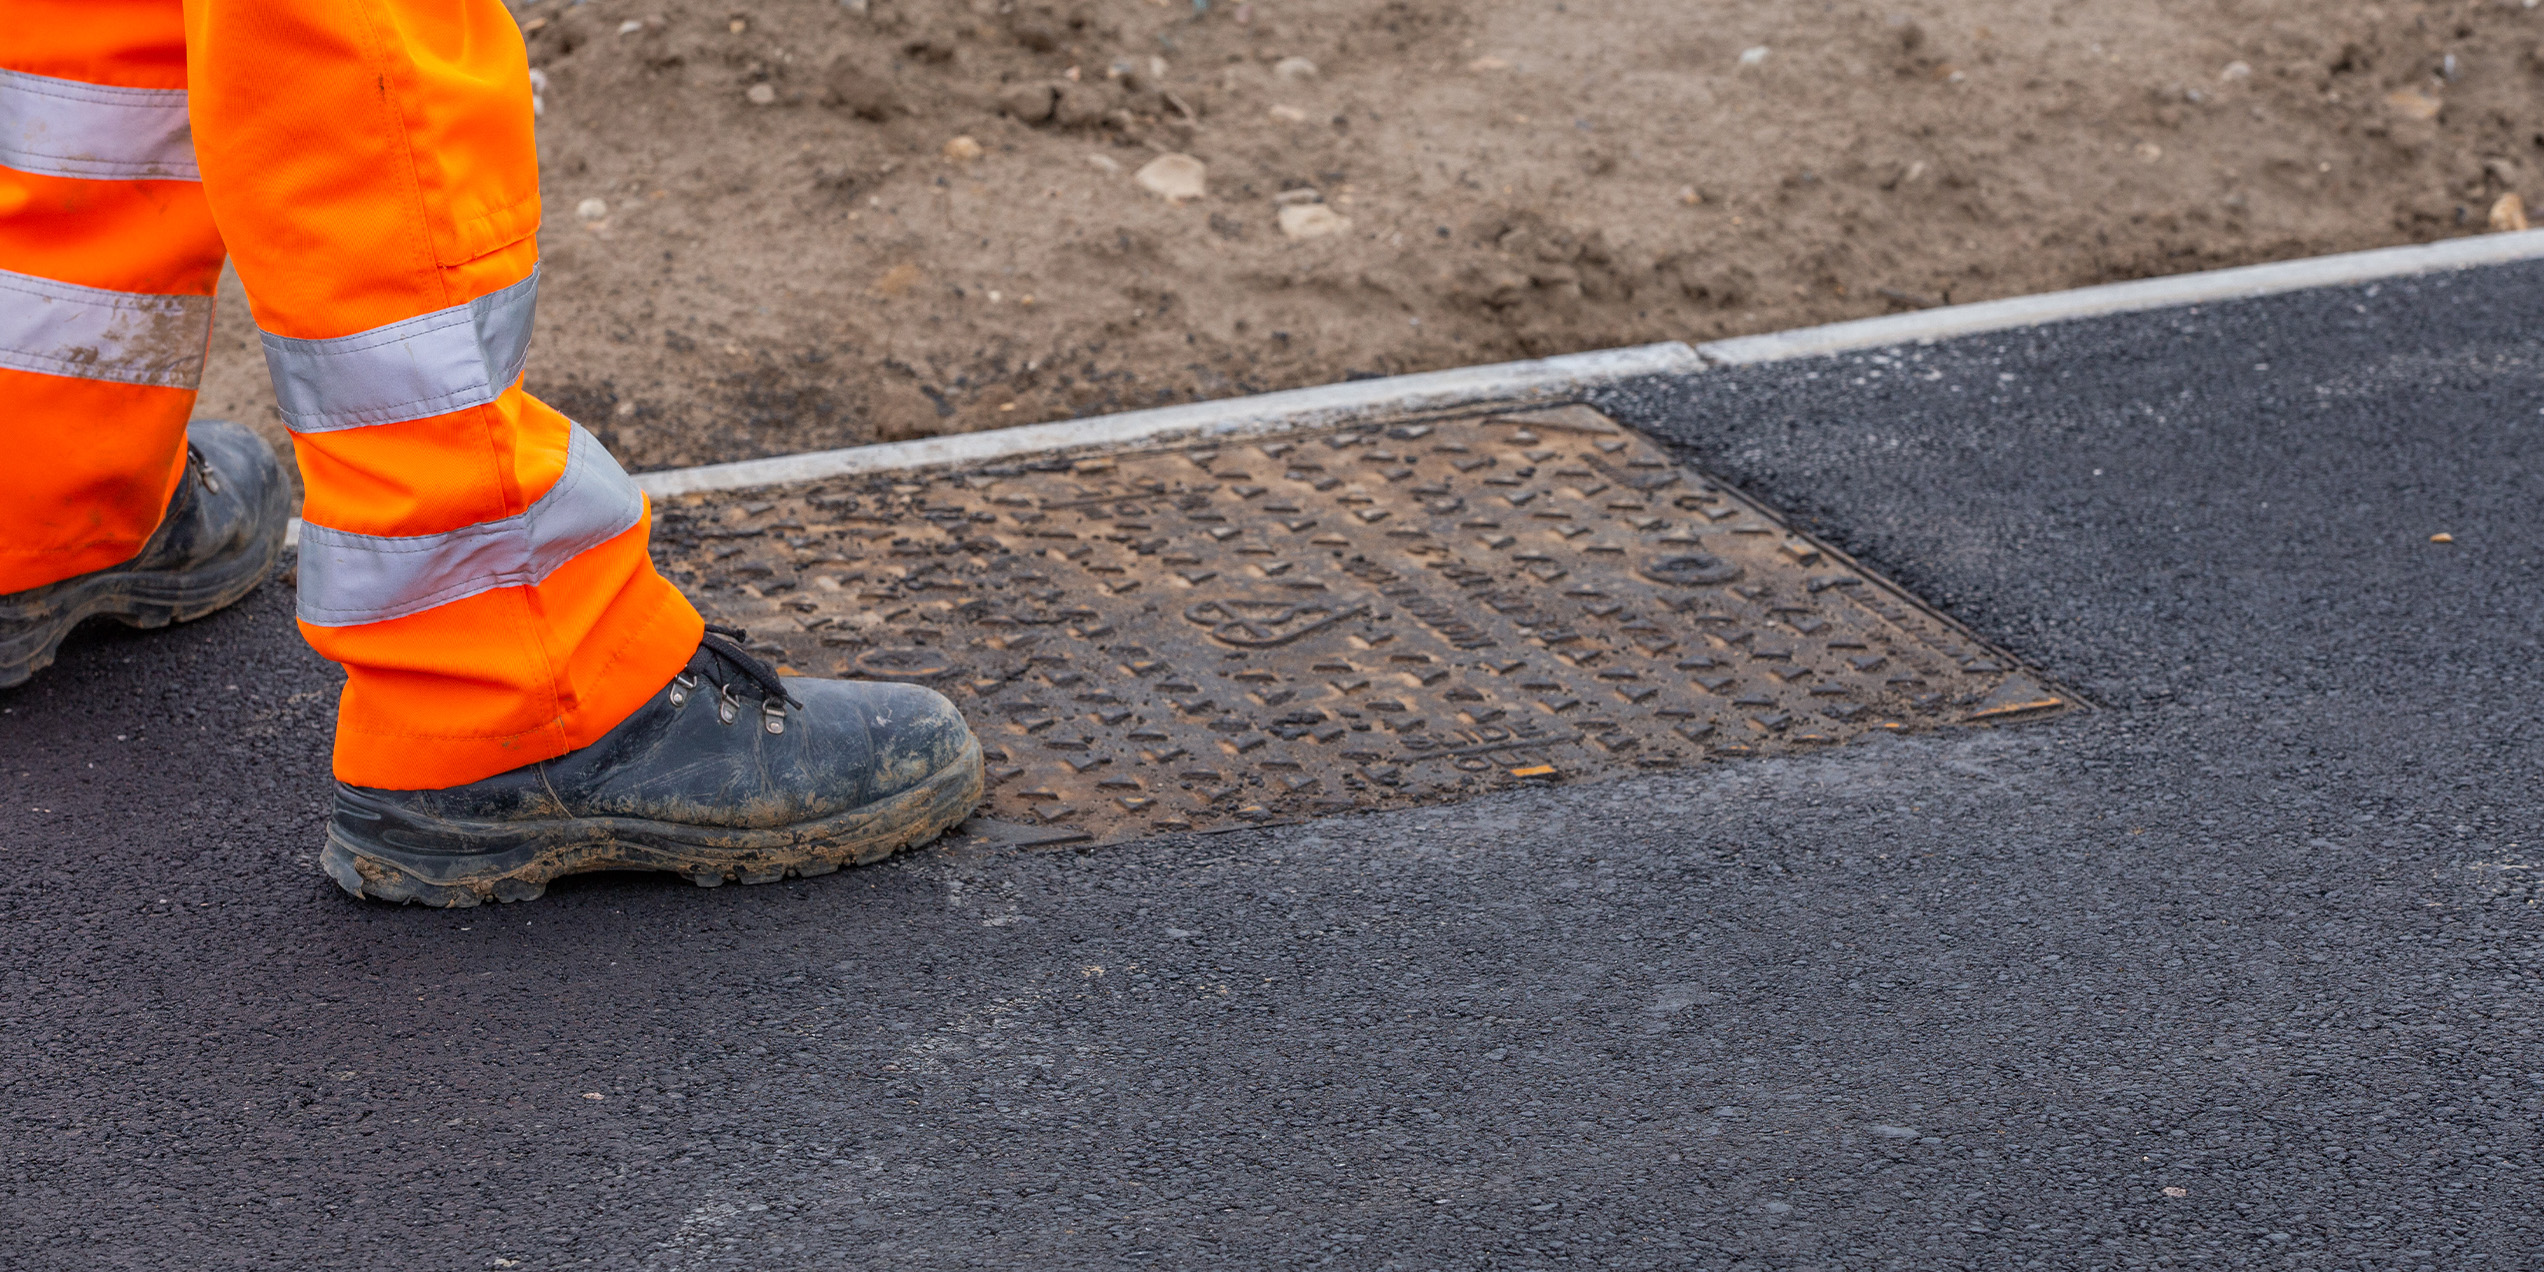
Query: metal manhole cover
[[1189, 638]]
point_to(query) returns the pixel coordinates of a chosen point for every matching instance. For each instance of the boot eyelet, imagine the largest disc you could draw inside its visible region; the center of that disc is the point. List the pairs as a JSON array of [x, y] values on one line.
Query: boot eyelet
[[681, 685], [772, 715], [727, 707]]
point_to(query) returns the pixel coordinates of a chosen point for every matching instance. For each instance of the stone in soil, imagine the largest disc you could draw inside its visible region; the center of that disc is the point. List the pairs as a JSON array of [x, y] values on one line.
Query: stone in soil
[[1175, 178]]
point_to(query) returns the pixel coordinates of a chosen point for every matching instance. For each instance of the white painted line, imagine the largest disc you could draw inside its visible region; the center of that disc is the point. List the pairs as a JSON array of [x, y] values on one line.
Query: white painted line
[[1195, 421], [2241, 283]]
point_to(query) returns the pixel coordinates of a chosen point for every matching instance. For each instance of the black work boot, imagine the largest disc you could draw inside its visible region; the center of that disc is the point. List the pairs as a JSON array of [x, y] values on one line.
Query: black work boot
[[731, 772], [220, 538]]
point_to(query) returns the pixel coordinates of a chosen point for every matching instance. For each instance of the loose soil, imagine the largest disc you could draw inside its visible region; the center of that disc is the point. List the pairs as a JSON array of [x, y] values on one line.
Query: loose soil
[[767, 232]]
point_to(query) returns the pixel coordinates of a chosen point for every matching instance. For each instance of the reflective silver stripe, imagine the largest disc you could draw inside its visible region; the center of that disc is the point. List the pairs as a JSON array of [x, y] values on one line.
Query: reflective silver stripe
[[447, 360], [348, 578], [55, 328], [64, 128]]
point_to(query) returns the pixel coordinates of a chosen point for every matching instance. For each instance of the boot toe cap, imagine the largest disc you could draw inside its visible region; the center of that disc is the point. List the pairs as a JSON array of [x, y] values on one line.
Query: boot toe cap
[[916, 732]]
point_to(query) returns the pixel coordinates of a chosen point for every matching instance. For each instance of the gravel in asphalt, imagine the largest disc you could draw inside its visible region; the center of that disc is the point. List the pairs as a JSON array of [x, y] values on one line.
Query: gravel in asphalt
[[2238, 971]]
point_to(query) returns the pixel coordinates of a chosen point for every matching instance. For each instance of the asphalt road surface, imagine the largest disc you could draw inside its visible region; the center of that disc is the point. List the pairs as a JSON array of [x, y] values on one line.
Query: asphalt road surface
[[2240, 970]]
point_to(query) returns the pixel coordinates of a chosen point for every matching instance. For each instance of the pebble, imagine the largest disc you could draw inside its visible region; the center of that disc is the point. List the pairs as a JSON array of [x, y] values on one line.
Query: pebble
[[1106, 163], [592, 209], [1489, 63], [1754, 56], [762, 94], [900, 278], [1289, 114], [2236, 71], [848, 84], [1028, 103], [1893, 1132], [962, 150], [1312, 220], [2509, 213], [1295, 68], [1079, 106], [2414, 103], [1174, 178]]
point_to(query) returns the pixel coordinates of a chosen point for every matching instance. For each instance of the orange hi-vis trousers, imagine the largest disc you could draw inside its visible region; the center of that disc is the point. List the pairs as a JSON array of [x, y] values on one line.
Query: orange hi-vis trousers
[[475, 560]]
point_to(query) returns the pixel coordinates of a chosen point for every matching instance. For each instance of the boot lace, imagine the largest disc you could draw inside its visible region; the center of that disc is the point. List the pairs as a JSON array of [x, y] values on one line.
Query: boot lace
[[722, 658], [203, 470], [725, 643]]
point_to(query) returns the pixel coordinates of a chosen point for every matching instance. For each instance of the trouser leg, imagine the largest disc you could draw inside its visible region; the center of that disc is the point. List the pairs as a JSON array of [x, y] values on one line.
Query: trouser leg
[[108, 260], [476, 561]]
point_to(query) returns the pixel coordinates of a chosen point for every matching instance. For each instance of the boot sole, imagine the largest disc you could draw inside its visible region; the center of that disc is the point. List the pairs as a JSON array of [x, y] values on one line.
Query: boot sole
[[144, 598], [523, 858]]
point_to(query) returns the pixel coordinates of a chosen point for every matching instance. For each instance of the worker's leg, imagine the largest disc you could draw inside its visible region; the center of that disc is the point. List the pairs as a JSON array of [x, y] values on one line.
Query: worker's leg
[[476, 561], [107, 263], [108, 259], [526, 697]]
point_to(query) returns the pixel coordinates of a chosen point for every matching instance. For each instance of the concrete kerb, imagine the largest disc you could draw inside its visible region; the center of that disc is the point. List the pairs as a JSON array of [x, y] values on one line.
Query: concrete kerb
[[1568, 375], [1263, 413]]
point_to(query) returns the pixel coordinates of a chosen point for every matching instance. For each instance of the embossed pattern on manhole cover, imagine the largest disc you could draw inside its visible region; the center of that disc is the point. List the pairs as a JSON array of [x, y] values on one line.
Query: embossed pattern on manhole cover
[[1191, 638]]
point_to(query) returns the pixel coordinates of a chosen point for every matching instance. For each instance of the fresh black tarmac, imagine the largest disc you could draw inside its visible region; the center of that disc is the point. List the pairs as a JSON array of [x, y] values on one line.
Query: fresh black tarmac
[[2239, 970]]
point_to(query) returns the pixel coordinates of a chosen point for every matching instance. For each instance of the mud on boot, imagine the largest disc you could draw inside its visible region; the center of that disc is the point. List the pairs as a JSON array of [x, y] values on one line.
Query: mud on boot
[[729, 773], [220, 537]]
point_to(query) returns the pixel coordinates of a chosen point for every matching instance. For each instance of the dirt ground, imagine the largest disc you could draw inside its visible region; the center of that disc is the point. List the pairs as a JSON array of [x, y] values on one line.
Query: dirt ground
[[789, 224]]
